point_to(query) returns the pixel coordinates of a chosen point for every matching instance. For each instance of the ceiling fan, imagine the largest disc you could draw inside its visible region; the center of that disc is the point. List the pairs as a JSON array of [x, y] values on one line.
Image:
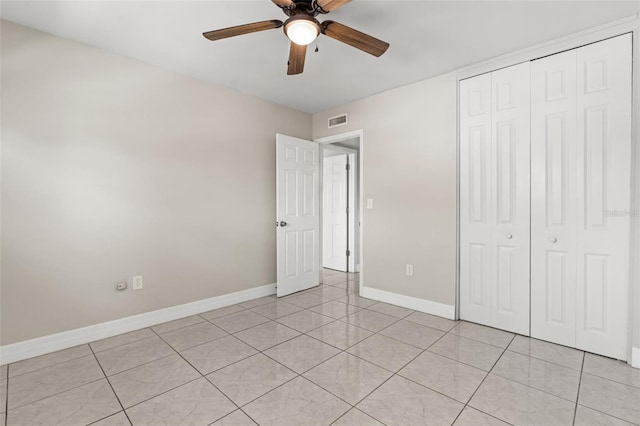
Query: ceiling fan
[[302, 28]]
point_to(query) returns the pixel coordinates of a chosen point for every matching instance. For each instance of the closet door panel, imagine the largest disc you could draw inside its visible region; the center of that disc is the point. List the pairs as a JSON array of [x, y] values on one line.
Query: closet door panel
[[510, 210], [553, 198], [603, 196], [475, 199]]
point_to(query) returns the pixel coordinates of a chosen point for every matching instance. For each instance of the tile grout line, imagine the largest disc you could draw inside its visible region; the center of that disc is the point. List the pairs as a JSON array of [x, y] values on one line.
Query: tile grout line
[[181, 327], [139, 365], [202, 376], [608, 379], [581, 372], [304, 372], [538, 389], [56, 394], [542, 359], [396, 374], [221, 368], [52, 395], [575, 409], [482, 382], [48, 366], [110, 386], [297, 375], [120, 345]]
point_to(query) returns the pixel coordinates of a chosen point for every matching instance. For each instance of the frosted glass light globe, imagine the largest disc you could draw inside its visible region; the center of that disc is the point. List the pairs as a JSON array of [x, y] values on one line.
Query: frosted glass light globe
[[302, 32]]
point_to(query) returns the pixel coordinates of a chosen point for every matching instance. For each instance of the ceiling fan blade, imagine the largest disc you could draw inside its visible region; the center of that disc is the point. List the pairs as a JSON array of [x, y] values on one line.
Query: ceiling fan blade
[[297, 54], [354, 38], [242, 29], [284, 3], [329, 5]]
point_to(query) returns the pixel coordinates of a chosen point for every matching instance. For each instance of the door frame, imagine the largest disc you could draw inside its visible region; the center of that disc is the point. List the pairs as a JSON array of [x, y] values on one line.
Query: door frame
[[360, 173], [355, 249]]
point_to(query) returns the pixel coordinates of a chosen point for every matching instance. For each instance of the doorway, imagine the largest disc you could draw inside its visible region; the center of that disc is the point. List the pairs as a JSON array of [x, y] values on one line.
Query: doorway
[[338, 208], [340, 202]]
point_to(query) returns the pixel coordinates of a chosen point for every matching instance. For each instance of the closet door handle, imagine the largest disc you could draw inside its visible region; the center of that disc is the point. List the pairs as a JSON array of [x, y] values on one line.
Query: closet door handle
[[553, 240], [509, 236]]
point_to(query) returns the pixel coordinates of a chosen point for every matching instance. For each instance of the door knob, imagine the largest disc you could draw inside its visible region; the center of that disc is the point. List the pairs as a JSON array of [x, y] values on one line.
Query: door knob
[[553, 240], [509, 236], [283, 223]]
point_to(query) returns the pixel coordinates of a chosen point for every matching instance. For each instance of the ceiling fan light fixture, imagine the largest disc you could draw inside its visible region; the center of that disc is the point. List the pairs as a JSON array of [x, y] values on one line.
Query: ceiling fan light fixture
[[302, 29]]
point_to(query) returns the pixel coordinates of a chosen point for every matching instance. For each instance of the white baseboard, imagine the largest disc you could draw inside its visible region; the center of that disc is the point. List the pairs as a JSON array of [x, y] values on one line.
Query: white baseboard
[[635, 357], [422, 305], [67, 339]]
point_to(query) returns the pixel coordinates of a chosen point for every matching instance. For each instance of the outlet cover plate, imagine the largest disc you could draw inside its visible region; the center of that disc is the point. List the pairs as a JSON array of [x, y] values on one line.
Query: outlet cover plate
[[137, 283]]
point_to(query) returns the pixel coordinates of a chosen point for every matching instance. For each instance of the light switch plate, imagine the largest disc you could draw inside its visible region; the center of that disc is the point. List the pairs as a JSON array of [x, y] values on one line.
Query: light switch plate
[[409, 270]]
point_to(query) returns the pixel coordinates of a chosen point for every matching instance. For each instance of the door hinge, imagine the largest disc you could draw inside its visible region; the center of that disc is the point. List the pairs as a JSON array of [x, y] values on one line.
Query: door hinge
[[347, 210], [348, 252], [348, 166]]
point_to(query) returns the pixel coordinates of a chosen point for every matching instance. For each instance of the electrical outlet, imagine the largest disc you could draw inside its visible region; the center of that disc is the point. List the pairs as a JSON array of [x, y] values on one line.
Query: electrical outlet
[[121, 285], [137, 283], [409, 270]]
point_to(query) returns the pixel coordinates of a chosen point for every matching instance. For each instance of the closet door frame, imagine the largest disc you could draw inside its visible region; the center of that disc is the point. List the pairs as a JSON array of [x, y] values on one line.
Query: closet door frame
[[622, 26]]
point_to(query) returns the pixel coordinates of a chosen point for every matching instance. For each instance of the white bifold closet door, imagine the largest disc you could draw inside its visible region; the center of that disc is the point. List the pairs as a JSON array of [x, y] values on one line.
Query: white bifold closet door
[[580, 162], [494, 199]]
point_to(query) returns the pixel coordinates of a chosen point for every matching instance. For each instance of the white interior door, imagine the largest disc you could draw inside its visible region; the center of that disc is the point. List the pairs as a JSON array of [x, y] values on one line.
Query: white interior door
[[494, 199], [604, 178], [581, 150], [475, 200], [334, 214], [298, 214], [553, 198], [510, 200]]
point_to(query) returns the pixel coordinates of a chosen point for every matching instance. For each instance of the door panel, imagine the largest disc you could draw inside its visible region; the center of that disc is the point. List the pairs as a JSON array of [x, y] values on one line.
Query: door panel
[[553, 198], [580, 159], [475, 199], [604, 176], [494, 199], [510, 208], [297, 192]]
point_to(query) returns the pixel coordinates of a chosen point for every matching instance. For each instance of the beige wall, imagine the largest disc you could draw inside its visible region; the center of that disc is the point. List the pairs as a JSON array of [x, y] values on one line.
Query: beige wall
[[113, 168], [409, 155]]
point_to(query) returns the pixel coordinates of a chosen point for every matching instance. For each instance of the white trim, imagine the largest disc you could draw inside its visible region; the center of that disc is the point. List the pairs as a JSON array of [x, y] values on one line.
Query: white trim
[[67, 339], [554, 46], [343, 137], [422, 305], [635, 357]]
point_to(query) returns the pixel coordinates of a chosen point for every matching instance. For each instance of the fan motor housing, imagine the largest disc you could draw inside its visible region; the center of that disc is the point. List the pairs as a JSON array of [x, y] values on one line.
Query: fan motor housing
[[307, 7]]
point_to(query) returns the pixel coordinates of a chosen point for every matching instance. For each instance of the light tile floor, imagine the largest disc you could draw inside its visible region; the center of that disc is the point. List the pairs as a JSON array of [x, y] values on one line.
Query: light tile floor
[[321, 357]]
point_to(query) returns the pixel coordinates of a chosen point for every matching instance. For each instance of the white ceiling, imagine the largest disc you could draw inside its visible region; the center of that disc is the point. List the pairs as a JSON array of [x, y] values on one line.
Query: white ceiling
[[427, 38]]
